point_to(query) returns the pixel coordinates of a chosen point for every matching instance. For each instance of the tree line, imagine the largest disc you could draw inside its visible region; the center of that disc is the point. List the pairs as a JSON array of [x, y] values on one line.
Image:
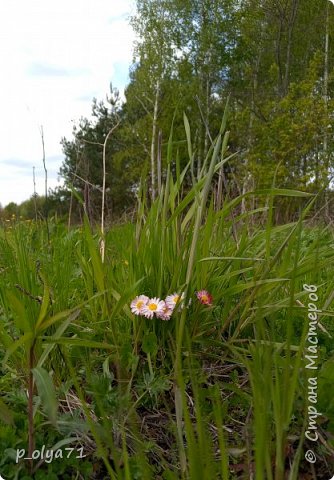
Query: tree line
[[273, 60]]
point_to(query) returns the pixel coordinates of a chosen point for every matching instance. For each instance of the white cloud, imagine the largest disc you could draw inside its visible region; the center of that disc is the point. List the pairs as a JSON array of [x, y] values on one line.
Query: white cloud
[[55, 57]]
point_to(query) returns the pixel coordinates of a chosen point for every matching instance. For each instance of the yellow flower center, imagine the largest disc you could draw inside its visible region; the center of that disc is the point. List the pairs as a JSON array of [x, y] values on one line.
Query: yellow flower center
[[153, 306], [176, 298], [140, 303], [205, 298]]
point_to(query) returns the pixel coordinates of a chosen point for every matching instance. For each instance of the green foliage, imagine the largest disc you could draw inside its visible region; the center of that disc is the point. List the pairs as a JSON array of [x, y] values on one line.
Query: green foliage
[[189, 56], [217, 390], [147, 396]]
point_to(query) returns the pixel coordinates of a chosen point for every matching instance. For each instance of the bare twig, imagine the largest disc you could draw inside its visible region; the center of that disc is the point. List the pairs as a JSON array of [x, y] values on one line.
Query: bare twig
[[35, 194], [46, 184], [102, 243]]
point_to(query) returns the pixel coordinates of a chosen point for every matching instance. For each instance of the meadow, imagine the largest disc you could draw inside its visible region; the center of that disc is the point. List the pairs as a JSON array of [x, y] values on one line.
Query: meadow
[[221, 387]]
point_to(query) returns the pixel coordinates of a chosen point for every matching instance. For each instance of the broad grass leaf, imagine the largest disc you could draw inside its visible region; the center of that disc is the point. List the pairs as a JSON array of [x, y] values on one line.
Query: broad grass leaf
[[188, 135], [246, 286], [58, 316], [20, 313], [44, 306], [286, 192], [64, 441], [46, 393], [79, 342], [60, 330], [211, 259]]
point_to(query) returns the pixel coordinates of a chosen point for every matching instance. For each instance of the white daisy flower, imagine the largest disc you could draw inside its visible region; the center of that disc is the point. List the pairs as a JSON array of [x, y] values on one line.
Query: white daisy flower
[[153, 306], [172, 300], [138, 304]]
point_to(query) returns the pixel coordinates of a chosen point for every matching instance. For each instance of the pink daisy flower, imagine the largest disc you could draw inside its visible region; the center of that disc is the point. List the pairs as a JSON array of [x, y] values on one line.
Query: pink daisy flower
[[153, 306], [204, 297], [166, 313], [172, 300], [138, 304]]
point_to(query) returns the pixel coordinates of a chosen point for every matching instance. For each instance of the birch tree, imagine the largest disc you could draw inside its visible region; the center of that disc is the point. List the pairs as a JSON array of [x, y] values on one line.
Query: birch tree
[[153, 56]]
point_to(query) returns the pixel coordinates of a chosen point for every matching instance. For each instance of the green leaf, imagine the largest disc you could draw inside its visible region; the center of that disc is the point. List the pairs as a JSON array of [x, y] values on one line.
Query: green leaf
[[123, 299], [150, 344], [19, 309], [281, 191], [246, 286], [26, 339], [5, 339], [46, 392], [79, 342], [74, 312], [211, 259], [65, 313], [64, 441], [60, 330], [327, 371], [44, 306], [6, 415]]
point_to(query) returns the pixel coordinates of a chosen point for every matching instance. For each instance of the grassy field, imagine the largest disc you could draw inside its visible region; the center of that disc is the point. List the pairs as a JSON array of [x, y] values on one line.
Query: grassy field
[[220, 388]]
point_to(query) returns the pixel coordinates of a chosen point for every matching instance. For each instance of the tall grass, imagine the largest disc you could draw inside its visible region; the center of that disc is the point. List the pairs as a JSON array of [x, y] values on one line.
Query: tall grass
[[215, 392]]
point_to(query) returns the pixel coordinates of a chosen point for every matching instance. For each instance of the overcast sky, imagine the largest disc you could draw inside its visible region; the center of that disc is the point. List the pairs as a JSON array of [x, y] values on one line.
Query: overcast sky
[[55, 57]]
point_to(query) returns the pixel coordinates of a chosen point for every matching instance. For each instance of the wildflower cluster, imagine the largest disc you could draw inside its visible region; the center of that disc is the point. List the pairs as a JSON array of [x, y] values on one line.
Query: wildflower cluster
[[148, 307], [163, 309]]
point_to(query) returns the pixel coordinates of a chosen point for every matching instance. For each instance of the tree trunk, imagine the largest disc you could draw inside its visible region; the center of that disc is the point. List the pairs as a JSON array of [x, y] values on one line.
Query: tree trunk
[[153, 142], [279, 59], [248, 178], [219, 198], [207, 113], [326, 90], [159, 161], [292, 19], [325, 152], [200, 152]]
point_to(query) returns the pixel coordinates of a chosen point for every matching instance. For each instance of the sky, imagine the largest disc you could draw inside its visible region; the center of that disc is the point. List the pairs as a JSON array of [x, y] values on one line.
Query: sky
[[55, 57]]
